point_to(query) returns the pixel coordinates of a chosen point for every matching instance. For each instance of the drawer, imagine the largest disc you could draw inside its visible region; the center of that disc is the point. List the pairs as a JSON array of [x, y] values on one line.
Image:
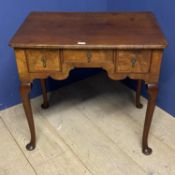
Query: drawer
[[137, 61], [43, 60], [88, 56]]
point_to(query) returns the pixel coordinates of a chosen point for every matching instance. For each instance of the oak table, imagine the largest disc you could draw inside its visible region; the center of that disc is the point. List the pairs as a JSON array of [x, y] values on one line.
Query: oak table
[[123, 44]]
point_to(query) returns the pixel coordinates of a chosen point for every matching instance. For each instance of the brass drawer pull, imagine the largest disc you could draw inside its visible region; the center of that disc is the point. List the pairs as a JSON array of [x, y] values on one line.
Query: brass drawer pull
[[89, 56], [133, 62], [44, 61]]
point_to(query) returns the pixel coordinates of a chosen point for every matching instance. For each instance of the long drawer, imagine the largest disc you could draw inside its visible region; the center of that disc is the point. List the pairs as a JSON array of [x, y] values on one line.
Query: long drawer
[[88, 56]]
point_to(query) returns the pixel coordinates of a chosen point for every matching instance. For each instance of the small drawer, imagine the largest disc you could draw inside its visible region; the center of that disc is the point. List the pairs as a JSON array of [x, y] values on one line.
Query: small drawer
[[137, 61], [88, 56], [43, 60]]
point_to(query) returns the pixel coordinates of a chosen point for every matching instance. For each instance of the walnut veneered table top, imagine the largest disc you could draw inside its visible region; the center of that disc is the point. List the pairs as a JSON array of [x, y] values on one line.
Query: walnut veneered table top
[[98, 30]]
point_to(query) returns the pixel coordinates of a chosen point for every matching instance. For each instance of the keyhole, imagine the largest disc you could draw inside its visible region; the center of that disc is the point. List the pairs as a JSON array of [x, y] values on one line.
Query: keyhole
[[133, 62], [89, 56], [44, 60]]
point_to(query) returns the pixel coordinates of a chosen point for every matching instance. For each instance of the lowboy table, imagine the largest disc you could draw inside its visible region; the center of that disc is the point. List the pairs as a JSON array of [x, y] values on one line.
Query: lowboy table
[[123, 44]]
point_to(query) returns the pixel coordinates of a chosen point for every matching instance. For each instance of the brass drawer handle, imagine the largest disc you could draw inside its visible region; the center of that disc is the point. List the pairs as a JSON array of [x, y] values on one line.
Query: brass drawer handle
[[89, 56], [44, 61], [133, 62]]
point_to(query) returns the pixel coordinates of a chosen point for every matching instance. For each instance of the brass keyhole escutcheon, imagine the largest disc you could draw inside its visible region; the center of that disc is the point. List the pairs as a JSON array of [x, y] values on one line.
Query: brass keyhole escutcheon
[[133, 62], [89, 56], [44, 61]]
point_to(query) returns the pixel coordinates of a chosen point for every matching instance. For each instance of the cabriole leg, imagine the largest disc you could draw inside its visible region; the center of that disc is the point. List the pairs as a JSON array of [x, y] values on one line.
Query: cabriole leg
[[25, 89], [45, 104], [138, 94], [152, 90]]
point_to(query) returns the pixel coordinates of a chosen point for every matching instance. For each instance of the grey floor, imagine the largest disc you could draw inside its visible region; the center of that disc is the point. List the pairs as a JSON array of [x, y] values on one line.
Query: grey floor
[[91, 128]]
